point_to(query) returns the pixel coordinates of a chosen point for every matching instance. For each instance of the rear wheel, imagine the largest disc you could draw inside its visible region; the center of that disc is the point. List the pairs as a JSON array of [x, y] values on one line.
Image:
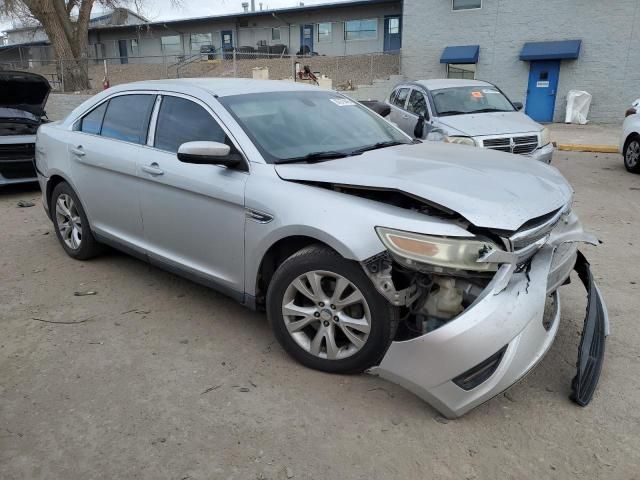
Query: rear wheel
[[71, 224], [632, 154], [326, 313]]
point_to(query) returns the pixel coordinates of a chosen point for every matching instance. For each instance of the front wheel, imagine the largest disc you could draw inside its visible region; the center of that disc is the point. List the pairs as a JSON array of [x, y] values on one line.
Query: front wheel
[[632, 155], [326, 313]]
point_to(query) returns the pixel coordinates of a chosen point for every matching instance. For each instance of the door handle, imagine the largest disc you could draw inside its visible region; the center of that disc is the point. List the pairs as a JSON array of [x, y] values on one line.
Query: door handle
[[153, 169], [78, 151]]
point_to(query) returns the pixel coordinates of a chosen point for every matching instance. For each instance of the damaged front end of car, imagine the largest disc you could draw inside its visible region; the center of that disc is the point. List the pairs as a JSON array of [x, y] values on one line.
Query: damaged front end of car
[[480, 312]]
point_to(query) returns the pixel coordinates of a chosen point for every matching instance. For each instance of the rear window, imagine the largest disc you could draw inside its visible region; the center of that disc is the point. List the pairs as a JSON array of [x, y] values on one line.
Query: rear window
[[92, 122], [127, 118], [401, 97]]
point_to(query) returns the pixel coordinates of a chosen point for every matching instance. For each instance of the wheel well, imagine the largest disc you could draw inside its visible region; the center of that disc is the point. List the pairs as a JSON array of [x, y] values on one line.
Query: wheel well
[[51, 185], [273, 258]]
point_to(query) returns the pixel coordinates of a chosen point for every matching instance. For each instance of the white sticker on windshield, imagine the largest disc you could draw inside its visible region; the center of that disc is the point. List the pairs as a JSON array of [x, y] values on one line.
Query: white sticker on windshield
[[342, 102], [489, 91]]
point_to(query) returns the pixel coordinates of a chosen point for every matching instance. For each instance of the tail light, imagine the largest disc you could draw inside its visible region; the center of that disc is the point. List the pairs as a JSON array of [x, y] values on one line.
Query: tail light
[[630, 111]]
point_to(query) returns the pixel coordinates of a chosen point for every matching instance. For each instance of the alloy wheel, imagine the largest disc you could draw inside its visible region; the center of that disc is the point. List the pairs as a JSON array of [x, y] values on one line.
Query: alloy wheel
[[633, 154], [68, 221], [326, 314]]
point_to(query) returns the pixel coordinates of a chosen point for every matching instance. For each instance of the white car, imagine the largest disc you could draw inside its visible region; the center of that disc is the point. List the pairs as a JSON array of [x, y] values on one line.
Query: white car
[[468, 112], [630, 139]]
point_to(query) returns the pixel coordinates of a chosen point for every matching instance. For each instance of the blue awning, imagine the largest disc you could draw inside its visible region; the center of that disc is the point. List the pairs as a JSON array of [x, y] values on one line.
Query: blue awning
[[461, 54], [563, 50]]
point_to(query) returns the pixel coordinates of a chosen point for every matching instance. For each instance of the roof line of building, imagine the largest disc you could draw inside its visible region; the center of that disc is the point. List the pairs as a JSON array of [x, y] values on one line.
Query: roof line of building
[[277, 11]]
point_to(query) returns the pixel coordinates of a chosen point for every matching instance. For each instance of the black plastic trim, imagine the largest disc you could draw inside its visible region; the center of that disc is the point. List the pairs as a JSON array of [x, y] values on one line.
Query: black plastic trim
[[592, 342], [481, 372]]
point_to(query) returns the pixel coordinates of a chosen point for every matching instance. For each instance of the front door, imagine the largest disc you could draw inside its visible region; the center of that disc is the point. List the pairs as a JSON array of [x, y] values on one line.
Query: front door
[[306, 39], [392, 34], [193, 215], [227, 38], [543, 86], [124, 54]]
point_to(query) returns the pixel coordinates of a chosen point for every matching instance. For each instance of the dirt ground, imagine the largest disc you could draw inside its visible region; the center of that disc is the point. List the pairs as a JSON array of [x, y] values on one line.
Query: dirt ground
[[164, 379]]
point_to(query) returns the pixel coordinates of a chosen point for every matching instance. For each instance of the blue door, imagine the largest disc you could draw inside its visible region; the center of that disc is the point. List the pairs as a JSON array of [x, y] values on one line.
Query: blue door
[[306, 39], [227, 38], [543, 86], [392, 33]]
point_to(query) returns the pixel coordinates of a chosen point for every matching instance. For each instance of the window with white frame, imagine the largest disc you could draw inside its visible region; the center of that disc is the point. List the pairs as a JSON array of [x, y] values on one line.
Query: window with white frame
[[199, 40], [135, 47], [466, 4], [324, 32], [275, 33], [171, 44], [466, 71], [361, 29]]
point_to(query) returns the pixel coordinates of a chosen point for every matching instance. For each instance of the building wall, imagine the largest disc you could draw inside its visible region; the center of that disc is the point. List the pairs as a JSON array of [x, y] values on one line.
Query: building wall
[[608, 66], [248, 31]]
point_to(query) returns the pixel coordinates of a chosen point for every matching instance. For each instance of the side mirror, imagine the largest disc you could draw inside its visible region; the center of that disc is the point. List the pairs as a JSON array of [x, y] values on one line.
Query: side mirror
[[207, 153], [518, 105]]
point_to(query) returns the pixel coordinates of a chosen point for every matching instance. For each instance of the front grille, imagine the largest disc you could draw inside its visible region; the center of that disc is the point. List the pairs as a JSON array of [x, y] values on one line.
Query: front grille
[[17, 151], [13, 170], [535, 229], [521, 145]]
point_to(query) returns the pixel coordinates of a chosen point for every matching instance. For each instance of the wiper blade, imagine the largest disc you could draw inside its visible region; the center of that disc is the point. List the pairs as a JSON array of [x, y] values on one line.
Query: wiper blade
[[451, 112], [314, 157], [488, 110], [376, 146]]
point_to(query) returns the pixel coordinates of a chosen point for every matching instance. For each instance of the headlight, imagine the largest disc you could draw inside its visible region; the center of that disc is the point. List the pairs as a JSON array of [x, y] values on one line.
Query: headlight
[[460, 140], [457, 253], [545, 137]]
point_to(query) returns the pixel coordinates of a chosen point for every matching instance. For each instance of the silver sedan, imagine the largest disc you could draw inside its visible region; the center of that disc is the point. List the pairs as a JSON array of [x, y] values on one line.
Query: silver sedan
[[435, 266]]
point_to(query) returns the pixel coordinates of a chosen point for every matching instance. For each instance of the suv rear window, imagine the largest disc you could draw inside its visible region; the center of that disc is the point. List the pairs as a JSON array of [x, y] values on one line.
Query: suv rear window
[[127, 118], [400, 97]]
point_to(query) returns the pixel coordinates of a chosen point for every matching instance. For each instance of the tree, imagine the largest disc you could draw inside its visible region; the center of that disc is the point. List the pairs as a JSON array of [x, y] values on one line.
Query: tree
[[66, 23]]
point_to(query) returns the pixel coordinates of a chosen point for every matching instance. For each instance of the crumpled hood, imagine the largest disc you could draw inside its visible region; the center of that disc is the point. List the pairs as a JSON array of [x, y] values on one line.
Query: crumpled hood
[[24, 91], [494, 123], [490, 189]]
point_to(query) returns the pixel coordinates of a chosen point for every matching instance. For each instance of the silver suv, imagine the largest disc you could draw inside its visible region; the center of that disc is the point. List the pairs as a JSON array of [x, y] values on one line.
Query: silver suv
[[434, 266], [468, 112]]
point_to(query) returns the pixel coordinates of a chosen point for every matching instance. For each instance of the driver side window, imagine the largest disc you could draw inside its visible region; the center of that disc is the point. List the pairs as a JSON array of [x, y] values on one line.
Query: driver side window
[[418, 104]]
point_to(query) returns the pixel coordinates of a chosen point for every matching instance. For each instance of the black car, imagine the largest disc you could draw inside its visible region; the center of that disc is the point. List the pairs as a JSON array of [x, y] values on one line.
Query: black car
[[22, 99]]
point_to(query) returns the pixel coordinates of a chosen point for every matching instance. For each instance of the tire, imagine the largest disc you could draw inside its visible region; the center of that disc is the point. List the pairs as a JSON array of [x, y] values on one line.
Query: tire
[[631, 154], [78, 240], [345, 345]]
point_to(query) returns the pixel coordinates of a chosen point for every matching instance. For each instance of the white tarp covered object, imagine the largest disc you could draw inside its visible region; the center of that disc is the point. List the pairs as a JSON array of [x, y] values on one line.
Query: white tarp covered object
[[578, 103]]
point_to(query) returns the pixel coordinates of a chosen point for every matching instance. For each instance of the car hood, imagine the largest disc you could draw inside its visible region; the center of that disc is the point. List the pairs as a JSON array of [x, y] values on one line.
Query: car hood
[[488, 188], [494, 123], [24, 91]]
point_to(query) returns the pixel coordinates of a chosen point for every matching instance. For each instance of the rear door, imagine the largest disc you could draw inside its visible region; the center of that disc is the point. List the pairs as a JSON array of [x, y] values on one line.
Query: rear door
[[193, 214], [103, 149], [397, 101]]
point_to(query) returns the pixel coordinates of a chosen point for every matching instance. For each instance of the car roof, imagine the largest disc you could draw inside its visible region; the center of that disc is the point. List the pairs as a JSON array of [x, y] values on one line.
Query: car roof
[[437, 83], [221, 87]]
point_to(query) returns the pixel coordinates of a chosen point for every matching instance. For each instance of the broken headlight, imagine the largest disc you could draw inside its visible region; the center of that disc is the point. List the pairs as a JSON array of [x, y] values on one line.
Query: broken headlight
[[446, 252]]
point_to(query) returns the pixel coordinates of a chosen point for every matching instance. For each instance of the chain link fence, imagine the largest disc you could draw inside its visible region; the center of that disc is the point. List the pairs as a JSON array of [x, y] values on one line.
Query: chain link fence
[[344, 72]]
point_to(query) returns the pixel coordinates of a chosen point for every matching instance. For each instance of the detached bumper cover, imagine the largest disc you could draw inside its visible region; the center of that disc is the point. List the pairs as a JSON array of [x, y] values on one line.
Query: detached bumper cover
[[518, 317], [596, 329]]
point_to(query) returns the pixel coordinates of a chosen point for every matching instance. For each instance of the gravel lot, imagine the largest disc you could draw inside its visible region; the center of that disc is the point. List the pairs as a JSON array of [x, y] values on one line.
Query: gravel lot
[[164, 379]]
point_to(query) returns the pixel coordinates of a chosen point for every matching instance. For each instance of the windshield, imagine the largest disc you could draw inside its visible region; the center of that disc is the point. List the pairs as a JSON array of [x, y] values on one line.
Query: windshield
[[461, 100], [310, 125]]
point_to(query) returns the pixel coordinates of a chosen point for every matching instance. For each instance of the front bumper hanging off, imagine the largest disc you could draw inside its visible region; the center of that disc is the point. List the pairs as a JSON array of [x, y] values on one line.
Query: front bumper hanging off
[[496, 341]]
